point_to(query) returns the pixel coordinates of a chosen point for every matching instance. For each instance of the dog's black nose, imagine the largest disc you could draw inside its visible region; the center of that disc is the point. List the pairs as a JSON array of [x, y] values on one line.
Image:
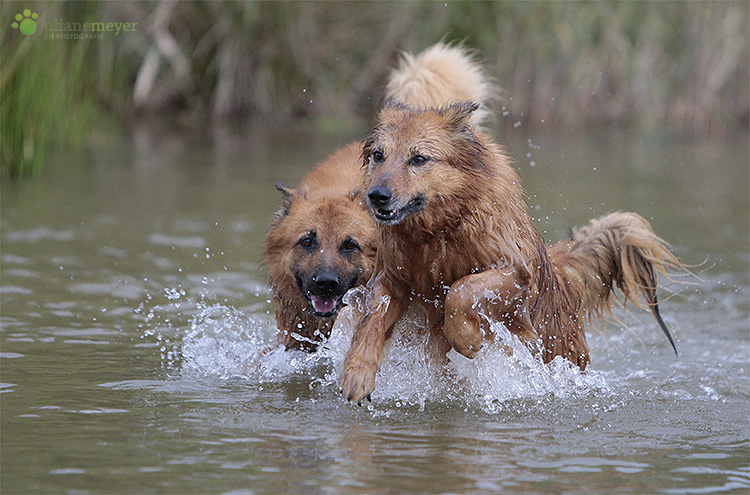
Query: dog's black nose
[[379, 196], [326, 282]]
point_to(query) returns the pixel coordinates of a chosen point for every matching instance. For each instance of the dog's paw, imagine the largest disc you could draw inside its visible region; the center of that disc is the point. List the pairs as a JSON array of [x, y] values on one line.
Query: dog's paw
[[463, 335], [357, 381]]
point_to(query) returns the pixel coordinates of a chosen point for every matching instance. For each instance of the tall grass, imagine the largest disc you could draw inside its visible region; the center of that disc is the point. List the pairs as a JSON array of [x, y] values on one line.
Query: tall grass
[[43, 88], [653, 66]]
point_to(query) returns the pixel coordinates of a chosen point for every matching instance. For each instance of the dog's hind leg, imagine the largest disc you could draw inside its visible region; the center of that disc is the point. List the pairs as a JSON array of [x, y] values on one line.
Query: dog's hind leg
[[501, 296]]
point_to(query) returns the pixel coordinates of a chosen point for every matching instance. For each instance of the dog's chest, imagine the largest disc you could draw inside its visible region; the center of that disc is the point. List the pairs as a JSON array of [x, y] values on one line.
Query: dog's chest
[[428, 268]]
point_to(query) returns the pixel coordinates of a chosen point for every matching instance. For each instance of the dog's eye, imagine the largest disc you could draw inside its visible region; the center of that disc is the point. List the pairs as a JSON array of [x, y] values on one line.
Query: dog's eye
[[418, 160], [349, 245], [307, 241], [377, 156]]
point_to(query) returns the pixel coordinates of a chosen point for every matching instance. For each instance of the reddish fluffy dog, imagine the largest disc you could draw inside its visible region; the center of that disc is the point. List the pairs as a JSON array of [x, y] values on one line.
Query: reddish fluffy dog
[[455, 237], [322, 242]]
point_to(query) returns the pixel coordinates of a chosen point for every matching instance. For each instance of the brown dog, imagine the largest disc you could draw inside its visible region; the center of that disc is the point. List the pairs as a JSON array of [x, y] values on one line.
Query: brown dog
[[455, 237], [322, 242]]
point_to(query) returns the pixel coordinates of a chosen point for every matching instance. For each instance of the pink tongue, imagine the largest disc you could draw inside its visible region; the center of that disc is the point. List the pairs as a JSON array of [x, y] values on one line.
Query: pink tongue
[[322, 304]]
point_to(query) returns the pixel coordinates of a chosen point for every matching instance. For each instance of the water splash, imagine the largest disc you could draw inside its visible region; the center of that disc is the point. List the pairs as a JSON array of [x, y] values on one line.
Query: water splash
[[219, 341], [225, 343], [505, 369], [198, 338]]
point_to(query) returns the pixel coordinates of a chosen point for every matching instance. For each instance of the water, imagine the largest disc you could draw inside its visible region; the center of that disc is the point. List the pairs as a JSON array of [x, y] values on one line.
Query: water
[[136, 322]]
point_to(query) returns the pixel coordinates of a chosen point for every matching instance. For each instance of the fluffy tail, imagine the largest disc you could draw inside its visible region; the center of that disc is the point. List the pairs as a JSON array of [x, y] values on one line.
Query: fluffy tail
[[617, 249], [441, 75]]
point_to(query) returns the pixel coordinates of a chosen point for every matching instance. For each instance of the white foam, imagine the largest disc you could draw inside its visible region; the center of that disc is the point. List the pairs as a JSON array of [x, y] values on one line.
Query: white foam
[[224, 343], [504, 369]]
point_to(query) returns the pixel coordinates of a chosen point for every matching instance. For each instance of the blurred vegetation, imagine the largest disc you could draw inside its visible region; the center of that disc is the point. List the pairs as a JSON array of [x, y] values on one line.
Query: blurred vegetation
[[680, 67]]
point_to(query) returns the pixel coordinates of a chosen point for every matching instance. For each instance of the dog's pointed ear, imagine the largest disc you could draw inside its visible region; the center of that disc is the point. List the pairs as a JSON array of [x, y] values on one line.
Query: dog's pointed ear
[[288, 195], [459, 113], [472, 154]]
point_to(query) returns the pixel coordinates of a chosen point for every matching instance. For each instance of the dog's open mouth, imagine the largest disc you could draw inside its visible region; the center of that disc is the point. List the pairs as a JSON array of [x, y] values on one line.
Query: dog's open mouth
[[324, 307], [394, 216], [324, 290]]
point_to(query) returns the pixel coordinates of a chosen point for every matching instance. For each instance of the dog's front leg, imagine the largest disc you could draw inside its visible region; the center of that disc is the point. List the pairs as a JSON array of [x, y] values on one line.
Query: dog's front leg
[[502, 296], [357, 379]]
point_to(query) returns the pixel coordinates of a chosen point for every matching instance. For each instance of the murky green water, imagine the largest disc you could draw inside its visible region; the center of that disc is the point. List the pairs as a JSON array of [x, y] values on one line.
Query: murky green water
[[134, 308]]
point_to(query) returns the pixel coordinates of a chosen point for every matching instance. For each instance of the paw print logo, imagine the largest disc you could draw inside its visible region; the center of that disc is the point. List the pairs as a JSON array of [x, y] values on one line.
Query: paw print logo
[[26, 23]]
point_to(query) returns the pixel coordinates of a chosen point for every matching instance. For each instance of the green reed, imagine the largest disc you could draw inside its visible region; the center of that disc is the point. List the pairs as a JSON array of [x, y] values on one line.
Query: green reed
[[679, 67], [47, 96]]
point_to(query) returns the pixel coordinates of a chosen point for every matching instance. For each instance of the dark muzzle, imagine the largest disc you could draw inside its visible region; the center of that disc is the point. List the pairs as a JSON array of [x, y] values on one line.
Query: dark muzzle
[[379, 196]]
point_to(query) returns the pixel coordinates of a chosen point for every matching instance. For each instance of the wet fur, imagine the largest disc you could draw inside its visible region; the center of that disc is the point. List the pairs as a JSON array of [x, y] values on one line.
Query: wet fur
[[329, 202], [470, 250]]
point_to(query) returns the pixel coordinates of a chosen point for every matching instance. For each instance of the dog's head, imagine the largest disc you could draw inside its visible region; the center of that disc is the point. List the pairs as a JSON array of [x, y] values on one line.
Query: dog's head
[[321, 245], [415, 158]]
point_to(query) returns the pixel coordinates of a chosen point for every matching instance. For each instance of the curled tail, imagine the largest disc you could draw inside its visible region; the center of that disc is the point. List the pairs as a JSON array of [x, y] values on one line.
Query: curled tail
[[619, 249], [441, 75]]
